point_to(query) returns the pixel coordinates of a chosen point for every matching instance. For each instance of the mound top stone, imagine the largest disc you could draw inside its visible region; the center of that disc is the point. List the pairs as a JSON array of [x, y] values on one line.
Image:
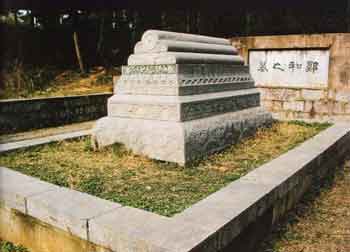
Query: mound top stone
[[181, 98]]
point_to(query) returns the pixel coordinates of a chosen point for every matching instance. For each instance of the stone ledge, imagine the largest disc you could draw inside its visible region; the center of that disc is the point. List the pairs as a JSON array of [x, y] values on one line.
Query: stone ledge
[[18, 115], [15, 188], [43, 140], [68, 210], [179, 142], [181, 108], [209, 225]]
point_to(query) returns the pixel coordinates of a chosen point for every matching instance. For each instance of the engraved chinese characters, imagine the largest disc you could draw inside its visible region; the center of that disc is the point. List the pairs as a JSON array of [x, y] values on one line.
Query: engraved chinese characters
[[290, 68]]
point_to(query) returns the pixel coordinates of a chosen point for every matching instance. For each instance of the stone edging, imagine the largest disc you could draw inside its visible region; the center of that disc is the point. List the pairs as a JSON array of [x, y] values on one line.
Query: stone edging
[[209, 225], [42, 140], [18, 115]]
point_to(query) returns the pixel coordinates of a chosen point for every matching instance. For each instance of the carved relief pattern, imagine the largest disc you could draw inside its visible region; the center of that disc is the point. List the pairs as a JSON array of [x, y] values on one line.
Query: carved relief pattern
[[172, 80], [204, 109], [146, 111], [189, 111], [189, 75], [148, 69], [215, 80]]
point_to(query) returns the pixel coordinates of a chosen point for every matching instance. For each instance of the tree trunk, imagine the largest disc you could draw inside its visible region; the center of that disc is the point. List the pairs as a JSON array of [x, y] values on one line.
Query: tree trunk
[[198, 22], [77, 52], [248, 22], [348, 16], [16, 17], [100, 35], [188, 21]]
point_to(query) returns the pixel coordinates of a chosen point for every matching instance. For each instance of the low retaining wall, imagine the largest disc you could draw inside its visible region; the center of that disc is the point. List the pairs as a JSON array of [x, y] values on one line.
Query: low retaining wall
[[234, 217], [26, 114], [328, 103]]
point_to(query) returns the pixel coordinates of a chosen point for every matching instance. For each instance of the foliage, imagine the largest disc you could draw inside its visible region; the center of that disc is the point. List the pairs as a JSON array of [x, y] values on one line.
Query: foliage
[[6, 246], [24, 82], [108, 35], [165, 188]]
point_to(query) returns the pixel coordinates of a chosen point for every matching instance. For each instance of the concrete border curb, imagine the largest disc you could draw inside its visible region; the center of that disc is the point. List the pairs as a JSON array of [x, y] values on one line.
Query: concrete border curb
[[42, 140]]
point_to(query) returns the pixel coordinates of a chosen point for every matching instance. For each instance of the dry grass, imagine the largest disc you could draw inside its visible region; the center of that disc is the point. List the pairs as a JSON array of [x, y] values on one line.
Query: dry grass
[[320, 223], [116, 174], [56, 83], [71, 83]]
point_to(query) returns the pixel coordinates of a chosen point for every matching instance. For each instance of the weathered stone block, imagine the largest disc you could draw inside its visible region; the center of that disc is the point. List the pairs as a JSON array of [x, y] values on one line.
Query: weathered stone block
[[129, 229], [68, 210], [15, 188], [293, 105], [277, 105], [339, 108], [342, 96], [179, 142], [308, 94], [281, 94], [180, 106], [182, 79], [267, 104], [347, 108], [323, 107], [309, 107]]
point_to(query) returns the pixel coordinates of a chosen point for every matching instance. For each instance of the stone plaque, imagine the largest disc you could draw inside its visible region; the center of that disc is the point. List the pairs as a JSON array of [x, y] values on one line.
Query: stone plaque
[[290, 68]]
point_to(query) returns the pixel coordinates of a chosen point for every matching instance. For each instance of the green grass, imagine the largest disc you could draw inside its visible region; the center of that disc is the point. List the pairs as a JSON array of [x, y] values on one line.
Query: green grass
[[6, 246], [165, 188]]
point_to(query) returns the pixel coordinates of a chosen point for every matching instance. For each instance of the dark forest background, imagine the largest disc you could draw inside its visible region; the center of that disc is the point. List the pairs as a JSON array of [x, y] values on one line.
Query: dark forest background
[[107, 36], [76, 35]]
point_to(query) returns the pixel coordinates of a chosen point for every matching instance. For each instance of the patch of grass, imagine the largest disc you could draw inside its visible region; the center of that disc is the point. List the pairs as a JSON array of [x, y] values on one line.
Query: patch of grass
[[6, 246], [320, 222], [165, 188]]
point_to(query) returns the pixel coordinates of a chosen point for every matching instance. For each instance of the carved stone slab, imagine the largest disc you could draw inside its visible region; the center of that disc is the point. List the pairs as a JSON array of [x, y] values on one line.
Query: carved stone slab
[[179, 142], [181, 108], [181, 97], [183, 79]]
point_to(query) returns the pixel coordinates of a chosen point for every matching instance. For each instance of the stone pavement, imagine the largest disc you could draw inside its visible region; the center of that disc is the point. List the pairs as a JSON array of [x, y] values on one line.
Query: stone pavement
[[44, 136], [39, 133]]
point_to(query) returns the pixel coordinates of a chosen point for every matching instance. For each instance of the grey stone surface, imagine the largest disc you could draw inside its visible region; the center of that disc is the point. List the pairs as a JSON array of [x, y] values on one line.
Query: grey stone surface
[[129, 229], [151, 37], [68, 210], [18, 115], [15, 188], [183, 46], [178, 142], [181, 108], [175, 104], [183, 58], [157, 139], [183, 79], [43, 140]]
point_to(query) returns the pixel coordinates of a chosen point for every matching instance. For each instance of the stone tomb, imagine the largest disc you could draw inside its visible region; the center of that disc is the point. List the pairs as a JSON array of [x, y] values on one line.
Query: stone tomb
[[180, 98]]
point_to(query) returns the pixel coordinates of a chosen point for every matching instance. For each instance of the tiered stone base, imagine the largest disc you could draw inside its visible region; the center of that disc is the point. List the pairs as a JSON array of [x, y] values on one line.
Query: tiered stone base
[[176, 141]]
